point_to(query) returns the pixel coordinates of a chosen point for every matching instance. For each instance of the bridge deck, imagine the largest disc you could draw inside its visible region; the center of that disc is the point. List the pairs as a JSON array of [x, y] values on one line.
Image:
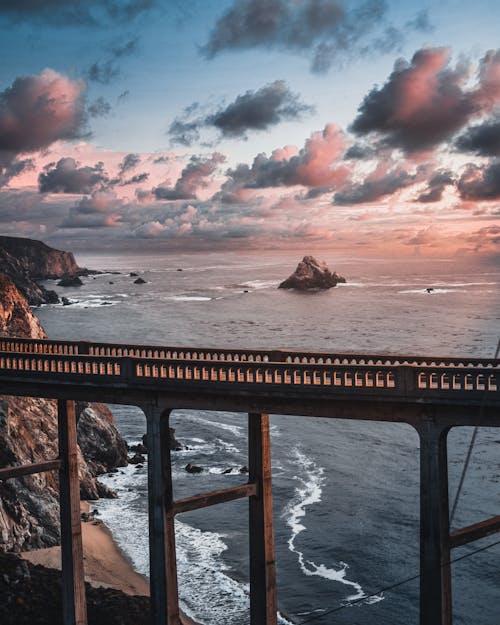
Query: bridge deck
[[430, 393]]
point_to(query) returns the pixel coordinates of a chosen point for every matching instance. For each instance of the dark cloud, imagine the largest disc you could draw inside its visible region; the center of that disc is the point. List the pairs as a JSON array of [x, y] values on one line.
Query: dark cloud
[[14, 168], [193, 177], [137, 179], [37, 110], [483, 139], [99, 108], [480, 182], [436, 186], [359, 152], [129, 162], [100, 210], [106, 70], [68, 177], [332, 30], [254, 110], [425, 102], [374, 188], [123, 96], [74, 12], [162, 159], [258, 110], [125, 49], [185, 132], [103, 72], [316, 192]]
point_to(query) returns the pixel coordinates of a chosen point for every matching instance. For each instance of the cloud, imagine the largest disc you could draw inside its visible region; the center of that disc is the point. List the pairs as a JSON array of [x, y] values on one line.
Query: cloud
[[74, 12], [315, 165], [66, 176], [99, 108], [359, 152], [486, 240], [193, 177], [480, 182], [105, 71], [377, 185], [137, 179], [483, 139], [100, 210], [37, 110], [426, 236], [425, 102], [254, 110], [436, 186], [129, 162], [14, 168], [332, 30]]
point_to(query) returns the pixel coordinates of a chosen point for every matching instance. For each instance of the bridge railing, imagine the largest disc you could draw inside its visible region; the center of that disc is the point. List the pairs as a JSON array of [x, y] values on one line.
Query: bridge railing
[[401, 380], [47, 346]]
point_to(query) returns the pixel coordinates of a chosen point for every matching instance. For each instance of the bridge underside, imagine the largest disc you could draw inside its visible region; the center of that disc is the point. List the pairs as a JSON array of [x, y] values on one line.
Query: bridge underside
[[431, 397]]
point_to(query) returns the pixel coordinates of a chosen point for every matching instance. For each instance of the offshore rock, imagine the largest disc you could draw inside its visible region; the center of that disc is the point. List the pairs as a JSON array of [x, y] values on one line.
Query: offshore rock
[[29, 506], [26, 261], [70, 281], [311, 275]]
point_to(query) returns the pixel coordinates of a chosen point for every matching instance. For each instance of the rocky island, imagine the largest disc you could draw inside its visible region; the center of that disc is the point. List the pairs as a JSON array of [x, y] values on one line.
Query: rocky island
[[311, 274]]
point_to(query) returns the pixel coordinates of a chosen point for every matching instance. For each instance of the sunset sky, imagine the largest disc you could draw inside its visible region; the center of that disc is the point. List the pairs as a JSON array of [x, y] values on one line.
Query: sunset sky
[[367, 127]]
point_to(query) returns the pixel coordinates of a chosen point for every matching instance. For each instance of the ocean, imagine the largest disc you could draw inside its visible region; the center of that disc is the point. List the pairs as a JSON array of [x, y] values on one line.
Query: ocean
[[346, 495]]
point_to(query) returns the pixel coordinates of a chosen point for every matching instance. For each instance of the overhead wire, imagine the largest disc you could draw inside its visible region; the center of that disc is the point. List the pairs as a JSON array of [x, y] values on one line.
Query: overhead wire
[[454, 507], [469, 451], [392, 586]]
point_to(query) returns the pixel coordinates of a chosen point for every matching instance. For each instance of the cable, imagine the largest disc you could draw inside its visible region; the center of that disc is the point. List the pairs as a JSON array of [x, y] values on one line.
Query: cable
[[469, 452], [392, 586], [454, 507]]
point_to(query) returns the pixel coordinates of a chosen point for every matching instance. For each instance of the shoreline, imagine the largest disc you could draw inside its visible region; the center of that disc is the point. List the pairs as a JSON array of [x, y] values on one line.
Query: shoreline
[[106, 565]]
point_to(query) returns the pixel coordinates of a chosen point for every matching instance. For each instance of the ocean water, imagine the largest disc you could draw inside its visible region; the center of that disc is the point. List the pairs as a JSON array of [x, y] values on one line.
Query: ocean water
[[345, 493]]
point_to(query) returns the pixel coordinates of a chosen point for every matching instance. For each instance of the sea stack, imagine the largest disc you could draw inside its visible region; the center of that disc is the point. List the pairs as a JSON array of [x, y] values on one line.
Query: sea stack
[[311, 275]]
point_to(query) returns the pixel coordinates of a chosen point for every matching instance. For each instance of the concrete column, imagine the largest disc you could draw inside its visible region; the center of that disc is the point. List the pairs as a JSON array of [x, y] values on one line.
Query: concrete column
[[435, 570], [73, 577], [162, 557], [263, 609]]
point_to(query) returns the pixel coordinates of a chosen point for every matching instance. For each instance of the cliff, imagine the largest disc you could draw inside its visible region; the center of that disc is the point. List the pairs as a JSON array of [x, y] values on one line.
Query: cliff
[[311, 274], [29, 507], [26, 261]]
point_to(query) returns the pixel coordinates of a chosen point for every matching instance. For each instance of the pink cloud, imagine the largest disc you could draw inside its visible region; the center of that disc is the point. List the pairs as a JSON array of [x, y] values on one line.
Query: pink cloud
[[425, 102], [38, 110]]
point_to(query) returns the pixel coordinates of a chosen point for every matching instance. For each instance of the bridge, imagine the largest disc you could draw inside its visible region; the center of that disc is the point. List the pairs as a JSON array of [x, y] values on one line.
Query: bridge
[[430, 393]]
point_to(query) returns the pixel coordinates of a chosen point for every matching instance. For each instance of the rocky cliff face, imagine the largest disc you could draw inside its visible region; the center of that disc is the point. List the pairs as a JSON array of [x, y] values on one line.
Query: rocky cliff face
[[39, 260], [27, 261], [29, 508], [311, 274]]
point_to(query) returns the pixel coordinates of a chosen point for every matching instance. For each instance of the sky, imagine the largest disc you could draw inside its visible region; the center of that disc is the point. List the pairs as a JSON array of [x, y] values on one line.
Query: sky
[[363, 127]]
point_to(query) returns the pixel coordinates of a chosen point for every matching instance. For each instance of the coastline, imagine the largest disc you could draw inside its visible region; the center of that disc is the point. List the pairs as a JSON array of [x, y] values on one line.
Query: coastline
[[105, 563], [106, 566]]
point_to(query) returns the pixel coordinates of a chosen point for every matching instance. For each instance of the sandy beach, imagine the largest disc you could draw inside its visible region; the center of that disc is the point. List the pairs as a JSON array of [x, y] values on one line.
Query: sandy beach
[[105, 563]]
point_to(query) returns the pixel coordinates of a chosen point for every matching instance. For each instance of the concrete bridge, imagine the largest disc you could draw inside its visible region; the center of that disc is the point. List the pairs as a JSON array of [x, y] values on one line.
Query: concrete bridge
[[432, 394]]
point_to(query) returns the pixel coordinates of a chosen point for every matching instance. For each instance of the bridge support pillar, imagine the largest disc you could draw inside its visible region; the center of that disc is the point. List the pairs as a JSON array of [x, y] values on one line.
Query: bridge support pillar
[[263, 610], [73, 577], [162, 557], [435, 569]]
